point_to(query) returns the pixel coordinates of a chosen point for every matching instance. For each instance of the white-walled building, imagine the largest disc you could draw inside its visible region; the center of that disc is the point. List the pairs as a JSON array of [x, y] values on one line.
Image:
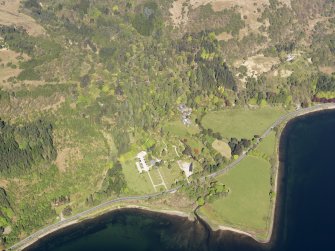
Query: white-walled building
[[141, 164], [186, 167]]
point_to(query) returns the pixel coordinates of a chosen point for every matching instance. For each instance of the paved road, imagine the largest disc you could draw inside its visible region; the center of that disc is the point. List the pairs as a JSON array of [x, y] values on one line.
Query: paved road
[[105, 205]]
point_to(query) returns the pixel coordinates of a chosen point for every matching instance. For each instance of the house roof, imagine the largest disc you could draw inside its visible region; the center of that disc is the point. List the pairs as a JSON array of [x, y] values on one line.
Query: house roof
[[142, 154], [186, 167]]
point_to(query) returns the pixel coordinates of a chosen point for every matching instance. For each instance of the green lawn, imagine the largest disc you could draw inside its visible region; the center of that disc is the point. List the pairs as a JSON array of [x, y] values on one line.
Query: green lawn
[[222, 147], [177, 128], [171, 175], [155, 176], [267, 146], [194, 143], [247, 206], [136, 183], [242, 122]]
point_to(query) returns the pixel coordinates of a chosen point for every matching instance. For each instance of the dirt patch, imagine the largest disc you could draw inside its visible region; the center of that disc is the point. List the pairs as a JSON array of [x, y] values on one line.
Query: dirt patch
[[286, 2], [7, 230], [250, 11], [177, 201], [222, 147], [179, 12], [285, 73], [282, 73], [10, 14], [54, 106], [9, 64], [258, 64], [66, 156], [310, 27], [4, 183], [327, 69], [224, 36]]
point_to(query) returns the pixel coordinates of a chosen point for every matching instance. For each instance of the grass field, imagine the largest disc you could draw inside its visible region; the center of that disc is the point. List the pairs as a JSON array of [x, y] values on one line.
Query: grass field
[[267, 146], [156, 178], [136, 183], [247, 206], [242, 122], [177, 128], [171, 175], [222, 147], [194, 143]]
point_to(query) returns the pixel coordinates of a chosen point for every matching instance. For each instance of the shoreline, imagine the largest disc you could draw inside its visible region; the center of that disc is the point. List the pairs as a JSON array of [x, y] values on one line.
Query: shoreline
[[141, 208], [275, 210], [109, 210], [275, 207]]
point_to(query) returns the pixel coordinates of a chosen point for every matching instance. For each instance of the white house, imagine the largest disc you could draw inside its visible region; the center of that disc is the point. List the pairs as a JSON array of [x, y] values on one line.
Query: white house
[[141, 164], [290, 58], [186, 167]]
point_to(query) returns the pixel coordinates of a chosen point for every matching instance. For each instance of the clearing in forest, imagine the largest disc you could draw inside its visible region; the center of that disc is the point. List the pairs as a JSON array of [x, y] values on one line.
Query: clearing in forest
[[9, 64], [66, 156], [10, 14], [242, 122], [258, 64], [250, 10], [222, 147]]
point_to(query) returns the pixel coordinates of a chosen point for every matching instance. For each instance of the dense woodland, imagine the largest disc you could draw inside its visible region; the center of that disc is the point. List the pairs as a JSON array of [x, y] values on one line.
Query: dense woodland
[[125, 69], [6, 213], [23, 146]]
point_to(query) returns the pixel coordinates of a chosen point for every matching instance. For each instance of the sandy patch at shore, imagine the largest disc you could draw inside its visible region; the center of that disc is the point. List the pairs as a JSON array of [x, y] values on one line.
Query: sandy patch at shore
[[224, 228]]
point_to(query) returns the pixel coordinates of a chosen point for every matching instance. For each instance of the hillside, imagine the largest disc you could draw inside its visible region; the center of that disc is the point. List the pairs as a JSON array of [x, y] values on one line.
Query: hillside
[[87, 85]]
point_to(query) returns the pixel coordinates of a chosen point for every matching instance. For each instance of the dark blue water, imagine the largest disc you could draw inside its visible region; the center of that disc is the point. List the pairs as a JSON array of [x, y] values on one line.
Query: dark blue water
[[308, 157], [305, 215]]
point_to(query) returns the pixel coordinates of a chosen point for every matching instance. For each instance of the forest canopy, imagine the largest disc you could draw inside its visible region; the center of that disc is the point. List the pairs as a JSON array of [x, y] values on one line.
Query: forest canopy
[[23, 146]]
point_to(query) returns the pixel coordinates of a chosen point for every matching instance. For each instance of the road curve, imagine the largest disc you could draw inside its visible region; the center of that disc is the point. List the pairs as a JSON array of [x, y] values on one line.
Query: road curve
[[40, 233]]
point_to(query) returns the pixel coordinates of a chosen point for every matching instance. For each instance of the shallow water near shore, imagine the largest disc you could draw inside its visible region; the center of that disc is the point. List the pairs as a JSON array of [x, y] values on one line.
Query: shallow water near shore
[[304, 219]]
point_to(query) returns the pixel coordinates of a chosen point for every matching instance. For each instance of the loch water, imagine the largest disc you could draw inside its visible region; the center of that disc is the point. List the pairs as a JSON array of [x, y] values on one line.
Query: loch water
[[304, 219]]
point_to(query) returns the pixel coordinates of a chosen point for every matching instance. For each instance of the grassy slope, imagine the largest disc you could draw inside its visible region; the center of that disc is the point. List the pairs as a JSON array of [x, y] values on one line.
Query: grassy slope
[[83, 175], [247, 205], [242, 122]]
